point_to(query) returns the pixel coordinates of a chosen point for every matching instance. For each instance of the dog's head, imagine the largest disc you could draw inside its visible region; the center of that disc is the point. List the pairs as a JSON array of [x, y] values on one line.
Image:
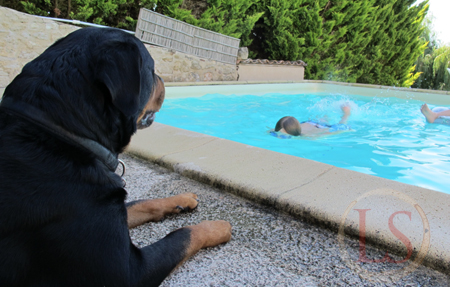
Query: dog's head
[[126, 69], [98, 83]]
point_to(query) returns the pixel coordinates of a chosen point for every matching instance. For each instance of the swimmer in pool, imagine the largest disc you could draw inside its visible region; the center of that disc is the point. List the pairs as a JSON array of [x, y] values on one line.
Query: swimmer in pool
[[432, 116], [290, 126]]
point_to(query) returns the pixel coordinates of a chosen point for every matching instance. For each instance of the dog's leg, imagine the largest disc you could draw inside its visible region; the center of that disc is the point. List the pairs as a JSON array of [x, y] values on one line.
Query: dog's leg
[[168, 253], [208, 234], [143, 211]]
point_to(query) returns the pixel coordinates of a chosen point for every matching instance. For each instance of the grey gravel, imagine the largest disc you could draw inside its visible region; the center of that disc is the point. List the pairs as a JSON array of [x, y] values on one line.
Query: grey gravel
[[268, 248]]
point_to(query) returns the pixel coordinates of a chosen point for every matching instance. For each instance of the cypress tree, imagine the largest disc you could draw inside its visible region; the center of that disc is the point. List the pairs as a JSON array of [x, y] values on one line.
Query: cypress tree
[[37, 7], [395, 44], [229, 17], [113, 13], [309, 27], [13, 4], [328, 35], [344, 36], [275, 36], [366, 41]]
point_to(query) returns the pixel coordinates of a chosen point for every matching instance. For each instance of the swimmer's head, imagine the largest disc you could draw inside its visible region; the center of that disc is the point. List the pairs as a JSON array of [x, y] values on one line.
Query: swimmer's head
[[290, 125]]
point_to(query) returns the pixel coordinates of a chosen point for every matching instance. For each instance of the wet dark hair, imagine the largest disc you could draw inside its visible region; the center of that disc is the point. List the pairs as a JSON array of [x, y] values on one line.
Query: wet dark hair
[[290, 124]]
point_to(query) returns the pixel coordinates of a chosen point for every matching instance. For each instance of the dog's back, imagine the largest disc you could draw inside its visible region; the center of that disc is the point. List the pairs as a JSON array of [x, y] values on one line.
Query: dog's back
[[51, 196]]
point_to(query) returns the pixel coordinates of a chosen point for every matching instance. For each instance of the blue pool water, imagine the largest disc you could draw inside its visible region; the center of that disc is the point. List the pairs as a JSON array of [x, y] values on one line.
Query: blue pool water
[[390, 138]]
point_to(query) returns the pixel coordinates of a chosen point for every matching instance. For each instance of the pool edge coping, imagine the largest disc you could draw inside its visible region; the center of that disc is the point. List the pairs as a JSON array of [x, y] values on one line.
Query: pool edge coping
[[244, 170], [216, 83]]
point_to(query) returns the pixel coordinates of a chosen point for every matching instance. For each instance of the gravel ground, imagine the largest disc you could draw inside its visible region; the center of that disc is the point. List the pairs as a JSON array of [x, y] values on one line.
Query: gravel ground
[[268, 248]]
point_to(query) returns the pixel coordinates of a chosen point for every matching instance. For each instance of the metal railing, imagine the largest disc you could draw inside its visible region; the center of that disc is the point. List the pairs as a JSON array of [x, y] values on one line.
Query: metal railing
[[81, 23]]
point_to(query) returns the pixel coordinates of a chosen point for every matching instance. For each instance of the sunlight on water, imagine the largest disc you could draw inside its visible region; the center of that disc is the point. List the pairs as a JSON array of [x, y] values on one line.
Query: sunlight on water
[[390, 138]]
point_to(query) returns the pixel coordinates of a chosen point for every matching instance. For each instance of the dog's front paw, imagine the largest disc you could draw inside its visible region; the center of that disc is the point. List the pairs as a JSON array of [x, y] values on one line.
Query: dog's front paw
[[211, 233], [142, 211], [184, 202], [206, 234]]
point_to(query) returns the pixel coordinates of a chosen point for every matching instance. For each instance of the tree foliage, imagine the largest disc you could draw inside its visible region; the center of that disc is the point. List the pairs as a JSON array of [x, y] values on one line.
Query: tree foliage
[[230, 17], [363, 41], [395, 44], [435, 69], [366, 41], [115, 13], [434, 64]]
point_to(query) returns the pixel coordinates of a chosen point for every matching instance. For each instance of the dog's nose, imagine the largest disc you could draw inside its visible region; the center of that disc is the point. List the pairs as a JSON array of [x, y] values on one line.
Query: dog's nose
[[146, 120]]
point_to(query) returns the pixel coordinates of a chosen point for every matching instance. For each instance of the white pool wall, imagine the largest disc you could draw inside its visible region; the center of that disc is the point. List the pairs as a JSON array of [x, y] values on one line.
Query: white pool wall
[[173, 90]]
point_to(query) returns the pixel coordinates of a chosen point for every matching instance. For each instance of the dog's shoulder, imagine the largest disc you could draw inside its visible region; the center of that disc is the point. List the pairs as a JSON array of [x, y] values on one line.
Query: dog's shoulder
[[93, 82]]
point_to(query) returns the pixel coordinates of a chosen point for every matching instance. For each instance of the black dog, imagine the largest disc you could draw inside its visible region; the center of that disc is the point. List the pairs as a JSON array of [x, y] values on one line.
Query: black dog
[[63, 122]]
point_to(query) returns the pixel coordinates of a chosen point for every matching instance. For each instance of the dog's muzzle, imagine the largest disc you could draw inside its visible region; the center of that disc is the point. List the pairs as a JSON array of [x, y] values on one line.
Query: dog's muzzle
[[146, 120]]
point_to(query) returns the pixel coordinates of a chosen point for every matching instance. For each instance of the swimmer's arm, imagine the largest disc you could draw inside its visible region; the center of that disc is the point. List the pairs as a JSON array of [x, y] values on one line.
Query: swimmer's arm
[[316, 132], [323, 134]]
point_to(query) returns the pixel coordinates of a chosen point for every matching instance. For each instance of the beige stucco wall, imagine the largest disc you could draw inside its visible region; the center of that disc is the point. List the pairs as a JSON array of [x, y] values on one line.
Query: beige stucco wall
[[259, 72], [23, 37]]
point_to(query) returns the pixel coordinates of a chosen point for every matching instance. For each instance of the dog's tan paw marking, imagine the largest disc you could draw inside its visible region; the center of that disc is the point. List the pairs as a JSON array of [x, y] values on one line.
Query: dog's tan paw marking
[[212, 233], [185, 202]]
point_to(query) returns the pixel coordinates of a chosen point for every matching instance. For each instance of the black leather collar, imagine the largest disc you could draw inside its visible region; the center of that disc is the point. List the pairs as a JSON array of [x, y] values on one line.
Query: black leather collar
[[39, 118]]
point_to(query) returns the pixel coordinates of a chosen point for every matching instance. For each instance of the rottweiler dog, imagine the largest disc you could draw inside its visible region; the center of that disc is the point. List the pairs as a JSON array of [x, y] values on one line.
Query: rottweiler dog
[[63, 121]]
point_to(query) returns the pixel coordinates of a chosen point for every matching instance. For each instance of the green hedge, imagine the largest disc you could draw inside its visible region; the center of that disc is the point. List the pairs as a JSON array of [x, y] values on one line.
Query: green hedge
[[363, 41]]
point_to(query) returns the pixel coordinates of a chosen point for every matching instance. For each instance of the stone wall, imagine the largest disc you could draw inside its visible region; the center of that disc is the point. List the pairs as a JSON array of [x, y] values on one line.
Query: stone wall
[[174, 66], [23, 37]]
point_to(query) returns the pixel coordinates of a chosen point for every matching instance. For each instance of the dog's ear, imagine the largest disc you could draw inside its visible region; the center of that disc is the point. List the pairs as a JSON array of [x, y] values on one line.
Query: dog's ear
[[118, 67]]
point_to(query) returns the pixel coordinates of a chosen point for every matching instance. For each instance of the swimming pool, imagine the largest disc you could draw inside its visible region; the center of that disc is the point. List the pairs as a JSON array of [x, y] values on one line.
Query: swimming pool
[[389, 136]]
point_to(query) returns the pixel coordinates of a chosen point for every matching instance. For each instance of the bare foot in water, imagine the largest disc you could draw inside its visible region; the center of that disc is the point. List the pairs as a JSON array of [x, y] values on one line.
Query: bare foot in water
[[347, 112], [429, 114]]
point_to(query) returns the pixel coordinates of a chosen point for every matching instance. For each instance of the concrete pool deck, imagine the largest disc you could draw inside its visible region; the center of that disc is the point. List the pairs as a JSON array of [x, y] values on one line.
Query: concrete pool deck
[[390, 214]]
